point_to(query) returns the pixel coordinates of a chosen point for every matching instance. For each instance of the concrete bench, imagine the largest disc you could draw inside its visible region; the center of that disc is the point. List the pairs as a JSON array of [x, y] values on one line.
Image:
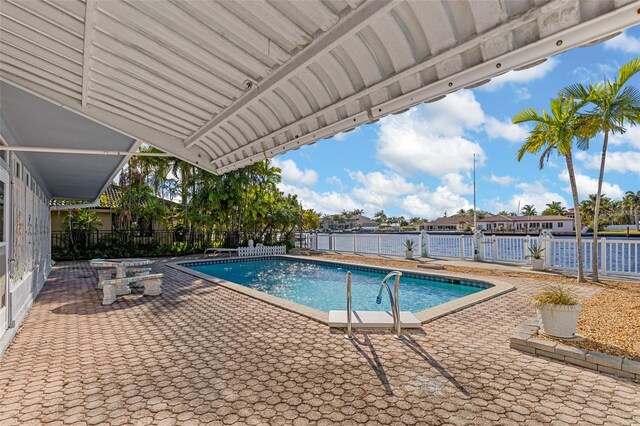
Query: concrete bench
[[111, 288], [138, 272], [108, 273]]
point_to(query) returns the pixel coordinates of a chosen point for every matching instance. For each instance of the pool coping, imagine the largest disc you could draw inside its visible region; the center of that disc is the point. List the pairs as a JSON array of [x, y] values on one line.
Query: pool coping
[[498, 288]]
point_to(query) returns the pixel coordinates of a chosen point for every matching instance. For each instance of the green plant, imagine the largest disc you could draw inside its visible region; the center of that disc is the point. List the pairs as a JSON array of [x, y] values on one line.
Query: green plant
[[554, 295], [535, 252], [556, 132], [408, 244]]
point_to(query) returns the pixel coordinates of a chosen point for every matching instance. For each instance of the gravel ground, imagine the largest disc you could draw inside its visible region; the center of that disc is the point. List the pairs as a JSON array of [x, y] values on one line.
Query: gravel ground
[[609, 321]]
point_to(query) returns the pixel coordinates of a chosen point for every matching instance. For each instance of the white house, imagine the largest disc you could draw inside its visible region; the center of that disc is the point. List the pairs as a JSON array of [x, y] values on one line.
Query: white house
[[537, 223]]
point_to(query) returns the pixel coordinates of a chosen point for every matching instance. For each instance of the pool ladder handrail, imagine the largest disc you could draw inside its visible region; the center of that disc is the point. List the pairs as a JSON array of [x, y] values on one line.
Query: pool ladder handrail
[[349, 334], [393, 298]]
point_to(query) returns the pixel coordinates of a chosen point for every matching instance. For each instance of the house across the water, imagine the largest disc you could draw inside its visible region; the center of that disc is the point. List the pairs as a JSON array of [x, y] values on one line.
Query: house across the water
[[526, 224]]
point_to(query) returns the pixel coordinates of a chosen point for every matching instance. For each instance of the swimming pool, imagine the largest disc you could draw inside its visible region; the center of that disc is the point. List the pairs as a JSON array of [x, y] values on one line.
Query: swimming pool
[[322, 285]]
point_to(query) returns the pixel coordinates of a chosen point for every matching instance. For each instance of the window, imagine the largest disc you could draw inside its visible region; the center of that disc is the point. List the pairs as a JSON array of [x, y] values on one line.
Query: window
[[560, 225], [18, 169]]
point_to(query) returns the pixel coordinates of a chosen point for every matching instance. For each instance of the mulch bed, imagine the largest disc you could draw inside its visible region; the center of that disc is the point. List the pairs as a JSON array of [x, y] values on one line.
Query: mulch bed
[[609, 321]]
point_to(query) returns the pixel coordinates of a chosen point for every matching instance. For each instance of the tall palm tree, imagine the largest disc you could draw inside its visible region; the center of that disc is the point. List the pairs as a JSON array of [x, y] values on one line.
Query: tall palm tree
[[631, 203], [614, 105], [528, 210], [555, 208], [555, 132]]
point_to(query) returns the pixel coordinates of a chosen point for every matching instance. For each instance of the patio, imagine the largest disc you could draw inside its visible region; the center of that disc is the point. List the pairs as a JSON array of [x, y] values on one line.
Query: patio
[[205, 354]]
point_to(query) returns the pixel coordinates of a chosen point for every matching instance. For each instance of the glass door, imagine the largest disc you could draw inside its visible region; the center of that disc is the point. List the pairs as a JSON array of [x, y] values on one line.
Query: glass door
[[4, 279]]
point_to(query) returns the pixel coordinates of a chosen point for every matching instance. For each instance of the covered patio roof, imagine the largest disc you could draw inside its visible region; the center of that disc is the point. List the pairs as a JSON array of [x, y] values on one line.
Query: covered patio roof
[[225, 84], [26, 119]]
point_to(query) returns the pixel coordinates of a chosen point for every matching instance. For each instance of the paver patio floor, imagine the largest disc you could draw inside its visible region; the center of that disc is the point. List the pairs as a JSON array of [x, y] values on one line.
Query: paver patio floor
[[205, 354]]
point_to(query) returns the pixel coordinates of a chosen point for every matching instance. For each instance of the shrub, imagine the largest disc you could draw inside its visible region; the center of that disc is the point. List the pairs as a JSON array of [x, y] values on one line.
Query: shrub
[[554, 295]]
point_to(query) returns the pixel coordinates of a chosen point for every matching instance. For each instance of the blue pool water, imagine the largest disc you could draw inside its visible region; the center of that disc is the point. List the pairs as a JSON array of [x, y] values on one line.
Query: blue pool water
[[323, 286]]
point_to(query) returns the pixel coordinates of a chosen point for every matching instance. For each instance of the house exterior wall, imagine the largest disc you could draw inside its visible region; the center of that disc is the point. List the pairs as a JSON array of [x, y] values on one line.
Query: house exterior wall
[[524, 225], [27, 244], [59, 216]]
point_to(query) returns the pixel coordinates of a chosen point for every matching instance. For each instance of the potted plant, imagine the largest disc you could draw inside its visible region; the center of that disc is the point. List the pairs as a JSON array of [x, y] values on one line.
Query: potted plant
[[408, 245], [535, 254], [557, 310]]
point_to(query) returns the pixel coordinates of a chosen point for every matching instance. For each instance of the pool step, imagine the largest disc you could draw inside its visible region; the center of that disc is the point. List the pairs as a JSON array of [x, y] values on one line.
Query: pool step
[[372, 319]]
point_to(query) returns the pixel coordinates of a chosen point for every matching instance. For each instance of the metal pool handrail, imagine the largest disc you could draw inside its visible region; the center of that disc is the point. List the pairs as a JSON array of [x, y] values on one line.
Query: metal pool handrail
[[349, 335], [393, 298]]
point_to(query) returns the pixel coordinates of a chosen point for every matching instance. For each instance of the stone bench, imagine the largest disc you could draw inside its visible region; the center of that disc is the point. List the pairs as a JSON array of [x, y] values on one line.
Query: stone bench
[[108, 273], [111, 288]]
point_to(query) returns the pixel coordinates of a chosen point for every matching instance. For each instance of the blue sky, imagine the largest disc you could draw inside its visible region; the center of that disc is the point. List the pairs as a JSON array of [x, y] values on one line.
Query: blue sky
[[420, 163]]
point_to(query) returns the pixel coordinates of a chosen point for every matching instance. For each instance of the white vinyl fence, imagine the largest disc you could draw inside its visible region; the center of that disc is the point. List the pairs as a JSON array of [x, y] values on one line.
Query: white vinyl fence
[[261, 251], [616, 256]]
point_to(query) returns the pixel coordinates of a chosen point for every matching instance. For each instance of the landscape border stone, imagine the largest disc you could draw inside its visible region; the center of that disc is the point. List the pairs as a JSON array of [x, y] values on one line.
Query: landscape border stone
[[525, 339]]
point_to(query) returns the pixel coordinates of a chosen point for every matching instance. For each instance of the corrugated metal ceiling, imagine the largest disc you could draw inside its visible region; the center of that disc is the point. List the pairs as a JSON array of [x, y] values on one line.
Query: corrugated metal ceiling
[[224, 84]]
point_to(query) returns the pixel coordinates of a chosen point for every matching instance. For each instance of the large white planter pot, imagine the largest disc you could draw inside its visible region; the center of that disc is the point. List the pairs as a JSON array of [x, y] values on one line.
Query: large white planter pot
[[409, 254], [537, 264], [559, 320]]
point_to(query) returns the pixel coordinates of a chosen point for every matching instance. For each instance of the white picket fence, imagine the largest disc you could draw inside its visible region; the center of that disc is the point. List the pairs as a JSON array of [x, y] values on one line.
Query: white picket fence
[[261, 251], [616, 256]]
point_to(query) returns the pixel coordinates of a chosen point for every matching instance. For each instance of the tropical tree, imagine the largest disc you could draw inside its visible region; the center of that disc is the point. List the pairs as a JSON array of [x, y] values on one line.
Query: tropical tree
[[380, 217], [555, 132], [503, 213], [631, 203], [614, 105], [555, 208], [310, 219], [81, 220], [528, 209]]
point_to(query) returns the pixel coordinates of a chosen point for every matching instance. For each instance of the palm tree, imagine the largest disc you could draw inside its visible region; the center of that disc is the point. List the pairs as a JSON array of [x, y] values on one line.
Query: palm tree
[[555, 208], [555, 132], [529, 210], [631, 202], [503, 213], [614, 105]]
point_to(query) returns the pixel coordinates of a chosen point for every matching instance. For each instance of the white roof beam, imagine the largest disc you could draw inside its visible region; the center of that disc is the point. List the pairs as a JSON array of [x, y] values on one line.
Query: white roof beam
[[353, 23], [90, 7]]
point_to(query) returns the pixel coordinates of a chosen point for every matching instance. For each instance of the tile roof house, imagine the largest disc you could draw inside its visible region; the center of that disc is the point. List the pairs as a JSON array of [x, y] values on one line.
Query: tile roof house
[[449, 223], [105, 209]]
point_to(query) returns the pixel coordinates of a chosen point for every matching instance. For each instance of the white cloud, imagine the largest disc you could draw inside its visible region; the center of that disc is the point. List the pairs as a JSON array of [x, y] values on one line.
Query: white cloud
[[631, 137], [623, 43], [535, 193], [293, 175], [335, 181], [595, 72], [522, 93], [589, 185], [623, 162], [433, 204], [501, 180], [380, 189], [430, 138], [497, 129], [456, 184], [521, 77], [617, 161], [330, 202]]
